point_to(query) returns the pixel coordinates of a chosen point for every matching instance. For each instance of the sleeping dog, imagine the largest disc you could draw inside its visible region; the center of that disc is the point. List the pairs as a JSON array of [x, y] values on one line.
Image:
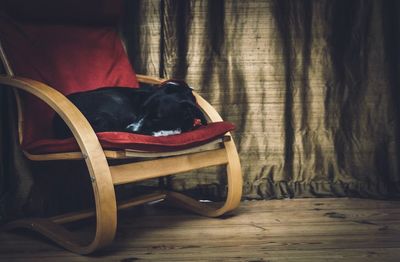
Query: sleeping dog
[[151, 110]]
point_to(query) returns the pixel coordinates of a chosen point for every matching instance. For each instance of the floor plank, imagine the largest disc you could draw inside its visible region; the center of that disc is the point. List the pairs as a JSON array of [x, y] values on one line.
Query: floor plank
[[339, 229]]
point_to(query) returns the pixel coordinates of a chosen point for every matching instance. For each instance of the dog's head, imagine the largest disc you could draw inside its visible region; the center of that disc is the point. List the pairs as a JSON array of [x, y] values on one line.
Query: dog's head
[[171, 107]]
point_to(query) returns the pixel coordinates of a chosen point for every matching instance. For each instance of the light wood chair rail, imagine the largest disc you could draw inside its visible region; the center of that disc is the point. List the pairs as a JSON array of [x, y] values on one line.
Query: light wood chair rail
[[104, 177]]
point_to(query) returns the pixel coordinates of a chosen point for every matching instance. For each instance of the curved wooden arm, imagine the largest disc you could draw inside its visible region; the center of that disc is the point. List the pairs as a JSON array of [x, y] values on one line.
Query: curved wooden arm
[[235, 180], [94, 156], [207, 108]]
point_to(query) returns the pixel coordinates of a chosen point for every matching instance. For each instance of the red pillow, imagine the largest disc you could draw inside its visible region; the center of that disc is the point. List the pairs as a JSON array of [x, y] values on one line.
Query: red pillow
[[68, 58]]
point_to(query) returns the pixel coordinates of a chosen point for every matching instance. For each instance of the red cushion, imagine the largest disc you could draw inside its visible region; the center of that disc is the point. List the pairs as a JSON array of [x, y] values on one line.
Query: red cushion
[[122, 140]]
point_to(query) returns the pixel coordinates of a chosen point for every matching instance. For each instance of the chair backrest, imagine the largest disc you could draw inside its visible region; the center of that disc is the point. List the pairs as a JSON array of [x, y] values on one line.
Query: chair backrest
[[70, 58]]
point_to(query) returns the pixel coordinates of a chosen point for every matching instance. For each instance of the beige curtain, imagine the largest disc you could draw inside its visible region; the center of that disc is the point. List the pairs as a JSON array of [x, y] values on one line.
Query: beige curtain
[[311, 86]]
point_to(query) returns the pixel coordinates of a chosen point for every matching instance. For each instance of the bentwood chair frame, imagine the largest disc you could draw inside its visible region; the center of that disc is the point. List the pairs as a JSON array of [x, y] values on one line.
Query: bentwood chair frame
[[104, 177]]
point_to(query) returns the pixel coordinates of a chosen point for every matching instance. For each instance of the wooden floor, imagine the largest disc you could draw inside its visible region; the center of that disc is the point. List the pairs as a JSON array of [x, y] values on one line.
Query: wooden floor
[[277, 230]]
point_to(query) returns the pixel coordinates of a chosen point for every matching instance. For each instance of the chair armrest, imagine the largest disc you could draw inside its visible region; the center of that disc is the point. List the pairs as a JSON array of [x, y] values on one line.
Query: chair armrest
[[210, 111], [205, 106], [92, 152], [75, 120]]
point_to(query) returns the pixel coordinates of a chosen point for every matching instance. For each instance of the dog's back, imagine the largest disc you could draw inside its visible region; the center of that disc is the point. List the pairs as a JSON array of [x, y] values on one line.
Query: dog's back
[[107, 109], [144, 110]]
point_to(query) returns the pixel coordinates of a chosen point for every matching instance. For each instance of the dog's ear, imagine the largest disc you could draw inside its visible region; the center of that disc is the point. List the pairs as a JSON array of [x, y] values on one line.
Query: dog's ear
[[175, 86]]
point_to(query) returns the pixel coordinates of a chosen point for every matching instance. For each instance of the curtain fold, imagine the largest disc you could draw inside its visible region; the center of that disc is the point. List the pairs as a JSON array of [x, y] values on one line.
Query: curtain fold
[[311, 85]]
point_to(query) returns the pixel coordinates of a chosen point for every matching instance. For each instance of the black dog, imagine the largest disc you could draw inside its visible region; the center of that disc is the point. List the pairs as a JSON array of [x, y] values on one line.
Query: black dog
[[149, 110]]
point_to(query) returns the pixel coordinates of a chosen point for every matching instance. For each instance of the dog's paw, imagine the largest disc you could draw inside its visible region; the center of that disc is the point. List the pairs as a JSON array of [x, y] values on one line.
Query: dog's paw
[[167, 132]]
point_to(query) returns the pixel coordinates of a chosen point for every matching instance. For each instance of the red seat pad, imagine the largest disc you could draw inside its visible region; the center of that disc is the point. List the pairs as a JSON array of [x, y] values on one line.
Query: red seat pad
[[123, 140]]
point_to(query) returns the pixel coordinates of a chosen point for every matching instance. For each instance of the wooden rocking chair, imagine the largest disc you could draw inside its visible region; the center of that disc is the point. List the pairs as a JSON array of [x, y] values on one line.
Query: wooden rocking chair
[[205, 147]]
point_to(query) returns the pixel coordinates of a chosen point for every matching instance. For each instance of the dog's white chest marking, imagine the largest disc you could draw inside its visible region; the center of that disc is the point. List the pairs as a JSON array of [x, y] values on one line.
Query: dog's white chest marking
[[135, 126]]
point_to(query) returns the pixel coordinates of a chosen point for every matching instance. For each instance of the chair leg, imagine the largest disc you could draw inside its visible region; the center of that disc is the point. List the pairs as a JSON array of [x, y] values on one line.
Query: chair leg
[[67, 239], [52, 231], [73, 242], [61, 236], [106, 206], [106, 215], [235, 184]]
